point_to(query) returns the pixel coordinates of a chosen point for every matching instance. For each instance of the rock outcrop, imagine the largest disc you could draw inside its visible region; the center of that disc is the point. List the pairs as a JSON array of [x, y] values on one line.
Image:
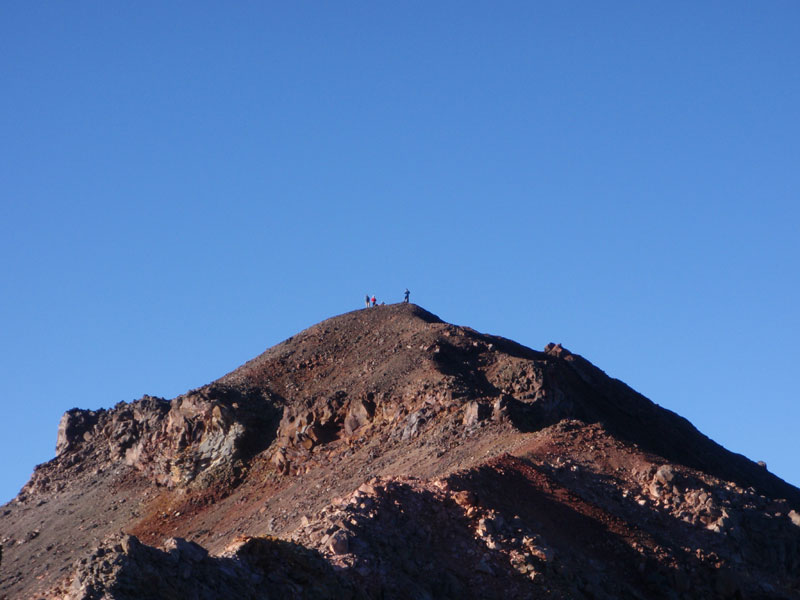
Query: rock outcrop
[[125, 569], [207, 433]]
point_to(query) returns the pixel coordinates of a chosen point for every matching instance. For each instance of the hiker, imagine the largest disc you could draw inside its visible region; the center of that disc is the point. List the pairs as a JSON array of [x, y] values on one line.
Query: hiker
[[374, 301], [406, 296], [366, 300]]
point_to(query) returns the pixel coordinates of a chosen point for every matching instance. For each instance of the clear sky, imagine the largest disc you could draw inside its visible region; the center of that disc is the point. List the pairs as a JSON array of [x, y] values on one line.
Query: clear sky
[[185, 184]]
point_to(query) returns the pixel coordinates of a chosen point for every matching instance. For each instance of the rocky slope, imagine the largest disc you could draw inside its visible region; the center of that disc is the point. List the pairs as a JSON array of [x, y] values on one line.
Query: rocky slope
[[386, 454]]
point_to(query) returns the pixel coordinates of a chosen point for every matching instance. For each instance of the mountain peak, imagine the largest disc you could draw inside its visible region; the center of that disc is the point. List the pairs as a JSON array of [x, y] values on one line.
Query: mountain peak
[[384, 430]]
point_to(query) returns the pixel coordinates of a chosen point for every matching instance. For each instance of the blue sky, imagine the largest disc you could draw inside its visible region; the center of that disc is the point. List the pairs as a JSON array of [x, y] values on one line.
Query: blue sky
[[185, 184]]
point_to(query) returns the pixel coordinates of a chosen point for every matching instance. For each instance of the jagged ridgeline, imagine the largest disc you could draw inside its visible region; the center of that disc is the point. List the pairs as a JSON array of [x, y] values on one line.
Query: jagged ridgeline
[[385, 453]]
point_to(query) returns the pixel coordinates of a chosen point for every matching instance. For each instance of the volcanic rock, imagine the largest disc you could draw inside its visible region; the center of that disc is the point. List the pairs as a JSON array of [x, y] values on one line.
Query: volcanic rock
[[439, 463]]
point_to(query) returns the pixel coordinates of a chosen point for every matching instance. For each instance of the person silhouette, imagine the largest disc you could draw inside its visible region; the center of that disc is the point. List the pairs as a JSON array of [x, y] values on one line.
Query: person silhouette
[[366, 300], [405, 299]]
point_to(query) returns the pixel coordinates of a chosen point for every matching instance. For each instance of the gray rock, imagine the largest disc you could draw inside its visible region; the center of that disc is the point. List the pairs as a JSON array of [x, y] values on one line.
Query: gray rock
[[414, 422], [185, 550], [74, 426], [474, 413]]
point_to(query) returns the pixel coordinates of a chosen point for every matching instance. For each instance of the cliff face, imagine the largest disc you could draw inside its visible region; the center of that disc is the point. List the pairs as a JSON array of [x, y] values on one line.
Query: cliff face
[[385, 453]]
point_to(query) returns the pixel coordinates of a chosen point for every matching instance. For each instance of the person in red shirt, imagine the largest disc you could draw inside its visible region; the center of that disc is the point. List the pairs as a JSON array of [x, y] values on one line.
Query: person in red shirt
[[374, 301]]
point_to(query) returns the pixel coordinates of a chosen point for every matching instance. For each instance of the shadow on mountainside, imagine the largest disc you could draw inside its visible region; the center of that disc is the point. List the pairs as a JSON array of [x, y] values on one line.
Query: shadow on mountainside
[[257, 568], [632, 417]]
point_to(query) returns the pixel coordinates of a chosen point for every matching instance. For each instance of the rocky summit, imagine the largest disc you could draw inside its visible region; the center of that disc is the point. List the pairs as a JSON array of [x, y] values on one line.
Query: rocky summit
[[387, 454]]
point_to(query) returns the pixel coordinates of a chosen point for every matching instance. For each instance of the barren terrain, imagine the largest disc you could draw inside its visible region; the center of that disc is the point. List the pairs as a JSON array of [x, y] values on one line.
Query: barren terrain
[[384, 453]]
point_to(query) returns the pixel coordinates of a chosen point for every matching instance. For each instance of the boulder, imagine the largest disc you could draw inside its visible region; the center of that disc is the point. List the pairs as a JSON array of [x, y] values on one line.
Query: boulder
[[795, 517], [476, 412], [664, 475], [359, 413], [185, 550], [414, 422], [339, 542], [500, 409]]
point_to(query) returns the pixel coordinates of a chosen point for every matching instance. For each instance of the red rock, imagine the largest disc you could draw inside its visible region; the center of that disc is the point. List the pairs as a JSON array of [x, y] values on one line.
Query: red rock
[[348, 442]]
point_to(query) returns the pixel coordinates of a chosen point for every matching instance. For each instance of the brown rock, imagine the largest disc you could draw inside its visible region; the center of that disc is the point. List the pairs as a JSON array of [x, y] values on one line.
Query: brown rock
[[664, 475], [465, 498], [586, 463], [359, 413], [795, 517], [339, 542]]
